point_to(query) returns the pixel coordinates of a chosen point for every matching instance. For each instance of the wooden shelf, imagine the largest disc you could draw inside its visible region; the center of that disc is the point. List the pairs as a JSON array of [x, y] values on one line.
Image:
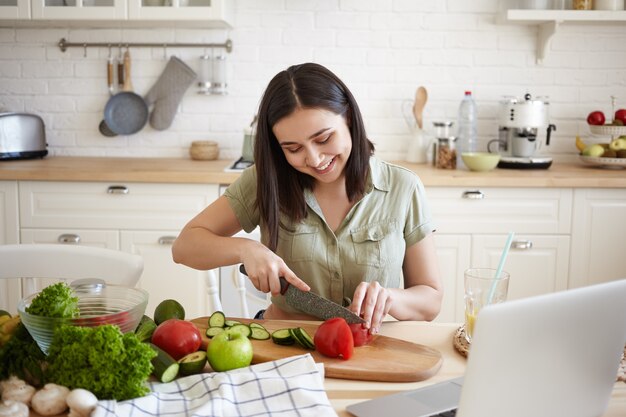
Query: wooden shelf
[[548, 22]]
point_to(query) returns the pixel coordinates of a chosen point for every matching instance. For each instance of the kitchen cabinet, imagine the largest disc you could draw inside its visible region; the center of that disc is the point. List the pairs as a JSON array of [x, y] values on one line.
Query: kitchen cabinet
[[9, 229], [598, 236], [136, 217], [549, 21], [472, 228], [211, 13]]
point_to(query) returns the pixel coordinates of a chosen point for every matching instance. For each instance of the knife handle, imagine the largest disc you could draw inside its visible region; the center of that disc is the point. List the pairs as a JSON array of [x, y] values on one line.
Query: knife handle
[[283, 282]]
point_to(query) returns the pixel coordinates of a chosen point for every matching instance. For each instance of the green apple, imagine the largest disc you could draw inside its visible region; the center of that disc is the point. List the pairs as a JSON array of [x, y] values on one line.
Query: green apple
[[229, 350], [618, 144], [594, 150]]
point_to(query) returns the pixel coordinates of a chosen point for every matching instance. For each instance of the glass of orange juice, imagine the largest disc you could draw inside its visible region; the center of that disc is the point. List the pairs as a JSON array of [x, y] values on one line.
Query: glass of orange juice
[[482, 288]]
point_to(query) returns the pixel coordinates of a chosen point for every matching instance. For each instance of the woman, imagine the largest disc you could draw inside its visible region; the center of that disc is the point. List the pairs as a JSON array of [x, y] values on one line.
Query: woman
[[333, 218]]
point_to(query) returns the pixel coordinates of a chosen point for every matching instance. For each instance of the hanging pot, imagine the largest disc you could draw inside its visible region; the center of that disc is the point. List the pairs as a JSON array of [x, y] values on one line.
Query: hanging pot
[[126, 112]]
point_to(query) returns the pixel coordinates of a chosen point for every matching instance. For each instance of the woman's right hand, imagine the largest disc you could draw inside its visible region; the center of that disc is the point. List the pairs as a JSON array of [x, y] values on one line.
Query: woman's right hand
[[264, 268]]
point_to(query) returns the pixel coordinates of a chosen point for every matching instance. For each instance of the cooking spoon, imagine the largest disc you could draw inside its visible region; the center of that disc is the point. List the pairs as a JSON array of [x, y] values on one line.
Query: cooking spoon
[[421, 96]]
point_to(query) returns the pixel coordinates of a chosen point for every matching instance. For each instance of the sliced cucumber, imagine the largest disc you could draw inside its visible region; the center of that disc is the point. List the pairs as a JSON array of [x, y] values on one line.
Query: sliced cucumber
[[283, 337], [298, 334], [214, 331], [217, 319], [193, 363], [259, 333], [257, 325], [165, 367], [305, 338], [231, 323], [242, 329]]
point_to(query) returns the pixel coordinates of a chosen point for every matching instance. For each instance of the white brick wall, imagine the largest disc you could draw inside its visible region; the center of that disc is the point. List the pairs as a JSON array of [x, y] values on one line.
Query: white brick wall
[[383, 50]]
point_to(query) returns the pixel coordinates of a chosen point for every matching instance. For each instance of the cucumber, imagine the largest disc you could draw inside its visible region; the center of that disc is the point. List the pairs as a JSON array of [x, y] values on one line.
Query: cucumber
[[217, 319], [193, 363], [305, 338], [283, 337], [241, 329], [231, 323], [145, 328], [257, 325], [165, 367], [214, 331], [259, 333]]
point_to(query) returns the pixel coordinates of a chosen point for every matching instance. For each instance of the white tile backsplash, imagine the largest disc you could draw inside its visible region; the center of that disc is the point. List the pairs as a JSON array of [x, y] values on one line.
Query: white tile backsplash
[[383, 50]]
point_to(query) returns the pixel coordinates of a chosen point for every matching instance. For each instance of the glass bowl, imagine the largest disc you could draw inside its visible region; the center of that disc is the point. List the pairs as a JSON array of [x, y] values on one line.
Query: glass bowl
[[98, 304]]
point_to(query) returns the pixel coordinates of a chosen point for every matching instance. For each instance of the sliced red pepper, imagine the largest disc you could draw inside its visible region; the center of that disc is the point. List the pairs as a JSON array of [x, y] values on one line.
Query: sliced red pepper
[[334, 339]]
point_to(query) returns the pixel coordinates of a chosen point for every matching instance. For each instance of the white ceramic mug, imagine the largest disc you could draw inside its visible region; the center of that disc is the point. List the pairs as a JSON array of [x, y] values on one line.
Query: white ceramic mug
[[524, 148]]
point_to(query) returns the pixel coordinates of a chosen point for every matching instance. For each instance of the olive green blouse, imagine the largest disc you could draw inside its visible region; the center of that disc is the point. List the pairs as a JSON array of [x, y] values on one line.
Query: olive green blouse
[[368, 245]]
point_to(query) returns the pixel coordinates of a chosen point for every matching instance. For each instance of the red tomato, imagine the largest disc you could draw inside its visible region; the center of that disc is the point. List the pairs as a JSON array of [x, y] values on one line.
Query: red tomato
[[596, 118], [360, 334], [177, 337], [620, 115], [334, 339]]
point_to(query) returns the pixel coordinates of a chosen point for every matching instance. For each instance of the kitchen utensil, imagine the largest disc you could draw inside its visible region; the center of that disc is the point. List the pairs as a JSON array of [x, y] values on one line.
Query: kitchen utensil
[[421, 96], [22, 136], [102, 127], [310, 303], [480, 161], [109, 304], [126, 112], [384, 359]]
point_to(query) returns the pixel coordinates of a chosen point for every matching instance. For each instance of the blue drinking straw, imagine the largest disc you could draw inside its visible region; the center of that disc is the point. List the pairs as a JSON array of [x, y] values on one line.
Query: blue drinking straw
[[505, 252]]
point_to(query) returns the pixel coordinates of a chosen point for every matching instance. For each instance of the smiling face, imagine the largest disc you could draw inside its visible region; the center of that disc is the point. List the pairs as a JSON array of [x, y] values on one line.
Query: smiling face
[[316, 142]]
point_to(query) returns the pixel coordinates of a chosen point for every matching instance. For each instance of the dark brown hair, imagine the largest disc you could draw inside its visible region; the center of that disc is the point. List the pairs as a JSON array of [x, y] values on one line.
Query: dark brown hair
[[280, 187]]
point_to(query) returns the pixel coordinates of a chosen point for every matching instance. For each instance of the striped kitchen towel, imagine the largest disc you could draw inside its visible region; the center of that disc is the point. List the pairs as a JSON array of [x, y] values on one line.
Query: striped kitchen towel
[[293, 386]]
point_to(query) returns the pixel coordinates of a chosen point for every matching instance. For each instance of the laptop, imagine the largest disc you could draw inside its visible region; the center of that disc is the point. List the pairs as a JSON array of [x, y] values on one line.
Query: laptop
[[551, 355]]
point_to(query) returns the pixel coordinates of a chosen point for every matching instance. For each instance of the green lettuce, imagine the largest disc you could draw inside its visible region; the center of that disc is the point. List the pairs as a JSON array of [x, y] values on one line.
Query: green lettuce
[[56, 300], [100, 359]]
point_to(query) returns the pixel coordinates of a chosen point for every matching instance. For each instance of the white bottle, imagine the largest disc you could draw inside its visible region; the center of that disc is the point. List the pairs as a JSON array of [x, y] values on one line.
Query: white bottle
[[468, 132]]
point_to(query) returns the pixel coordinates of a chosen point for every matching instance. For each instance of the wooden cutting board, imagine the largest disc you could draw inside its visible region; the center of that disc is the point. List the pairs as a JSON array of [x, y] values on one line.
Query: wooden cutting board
[[384, 359]]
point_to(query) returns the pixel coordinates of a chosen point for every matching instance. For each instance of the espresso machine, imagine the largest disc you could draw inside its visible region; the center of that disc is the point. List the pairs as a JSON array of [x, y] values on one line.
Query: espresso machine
[[521, 122]]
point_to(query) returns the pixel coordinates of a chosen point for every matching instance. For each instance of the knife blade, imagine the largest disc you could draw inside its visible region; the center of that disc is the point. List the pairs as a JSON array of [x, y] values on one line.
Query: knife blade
[[310, 303]]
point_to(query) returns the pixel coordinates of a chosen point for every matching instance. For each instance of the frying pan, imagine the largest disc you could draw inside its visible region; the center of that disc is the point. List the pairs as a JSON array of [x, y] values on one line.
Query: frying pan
[[102, 127], [126, 112]]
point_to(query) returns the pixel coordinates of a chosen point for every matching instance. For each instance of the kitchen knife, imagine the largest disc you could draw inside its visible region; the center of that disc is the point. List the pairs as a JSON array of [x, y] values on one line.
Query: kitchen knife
[[310, 303]]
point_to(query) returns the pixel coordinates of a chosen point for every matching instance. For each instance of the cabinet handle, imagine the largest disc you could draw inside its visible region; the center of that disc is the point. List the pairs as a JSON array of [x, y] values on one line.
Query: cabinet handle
[[473, 195], [68, 238], [167, 240], [117, 189], [522, 244]]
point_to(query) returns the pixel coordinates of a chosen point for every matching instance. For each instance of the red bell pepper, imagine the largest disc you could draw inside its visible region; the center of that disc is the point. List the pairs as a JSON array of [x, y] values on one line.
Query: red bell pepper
[[334, 339]]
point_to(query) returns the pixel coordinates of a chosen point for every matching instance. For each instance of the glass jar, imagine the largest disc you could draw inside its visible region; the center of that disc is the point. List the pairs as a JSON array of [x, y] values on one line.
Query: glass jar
[[446, 153], [582, 4]]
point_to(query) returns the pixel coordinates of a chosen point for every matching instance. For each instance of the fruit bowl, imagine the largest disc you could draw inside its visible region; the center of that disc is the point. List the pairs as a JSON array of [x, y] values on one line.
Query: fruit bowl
[[604, 162], [98, 304], [480, 161], [608, 130]]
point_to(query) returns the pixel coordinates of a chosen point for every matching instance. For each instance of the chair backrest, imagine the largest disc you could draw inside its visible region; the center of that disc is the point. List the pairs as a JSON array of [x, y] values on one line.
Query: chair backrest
[[68, 262]]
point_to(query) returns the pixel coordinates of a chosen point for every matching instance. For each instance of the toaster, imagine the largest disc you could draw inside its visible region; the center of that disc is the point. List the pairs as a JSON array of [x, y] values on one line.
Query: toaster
[[22, 136]]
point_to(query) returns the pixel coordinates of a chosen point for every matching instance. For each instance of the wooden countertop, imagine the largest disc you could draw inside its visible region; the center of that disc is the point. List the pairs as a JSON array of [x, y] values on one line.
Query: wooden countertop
[[179, 170]]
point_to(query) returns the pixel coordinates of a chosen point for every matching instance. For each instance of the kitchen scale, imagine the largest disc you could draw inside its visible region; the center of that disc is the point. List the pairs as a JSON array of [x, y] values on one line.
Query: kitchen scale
[[239, 165]]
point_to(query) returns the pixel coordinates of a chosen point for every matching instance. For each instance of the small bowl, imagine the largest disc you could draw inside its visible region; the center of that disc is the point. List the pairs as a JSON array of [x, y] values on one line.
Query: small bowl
[[480, 161], [98, 304], [204, 150]]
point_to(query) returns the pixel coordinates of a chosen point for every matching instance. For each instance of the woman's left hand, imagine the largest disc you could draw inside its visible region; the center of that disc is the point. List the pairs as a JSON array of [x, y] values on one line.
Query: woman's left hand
[[372, 302]]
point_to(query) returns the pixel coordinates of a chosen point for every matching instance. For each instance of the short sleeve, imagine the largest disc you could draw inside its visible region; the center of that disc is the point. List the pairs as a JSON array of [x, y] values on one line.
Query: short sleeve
[[241, 196], [419, 222]]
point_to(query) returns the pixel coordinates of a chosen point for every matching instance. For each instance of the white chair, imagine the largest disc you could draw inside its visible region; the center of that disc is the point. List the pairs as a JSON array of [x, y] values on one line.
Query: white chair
[[67, 262]]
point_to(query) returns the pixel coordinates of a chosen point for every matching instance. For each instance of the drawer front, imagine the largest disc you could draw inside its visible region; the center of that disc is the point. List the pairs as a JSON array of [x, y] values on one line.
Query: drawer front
[[111, 206], [100, 238], [501, 210]]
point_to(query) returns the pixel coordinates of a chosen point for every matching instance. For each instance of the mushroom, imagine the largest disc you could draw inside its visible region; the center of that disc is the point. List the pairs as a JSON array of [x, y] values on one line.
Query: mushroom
[[12, 408], [81, 402], [16, 390], [50, 400]]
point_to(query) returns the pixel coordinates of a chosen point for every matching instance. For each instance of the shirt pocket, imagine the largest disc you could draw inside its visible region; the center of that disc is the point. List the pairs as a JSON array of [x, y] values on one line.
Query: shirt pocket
[[297, 244], [373, 244]]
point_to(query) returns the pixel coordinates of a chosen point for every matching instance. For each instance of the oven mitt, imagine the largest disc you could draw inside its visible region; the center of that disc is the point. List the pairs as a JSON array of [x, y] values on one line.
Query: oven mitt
[[167, 92]]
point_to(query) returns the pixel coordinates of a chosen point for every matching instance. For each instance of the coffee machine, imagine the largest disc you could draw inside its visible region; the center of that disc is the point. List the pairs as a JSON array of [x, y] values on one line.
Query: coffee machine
[[520, 122]]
